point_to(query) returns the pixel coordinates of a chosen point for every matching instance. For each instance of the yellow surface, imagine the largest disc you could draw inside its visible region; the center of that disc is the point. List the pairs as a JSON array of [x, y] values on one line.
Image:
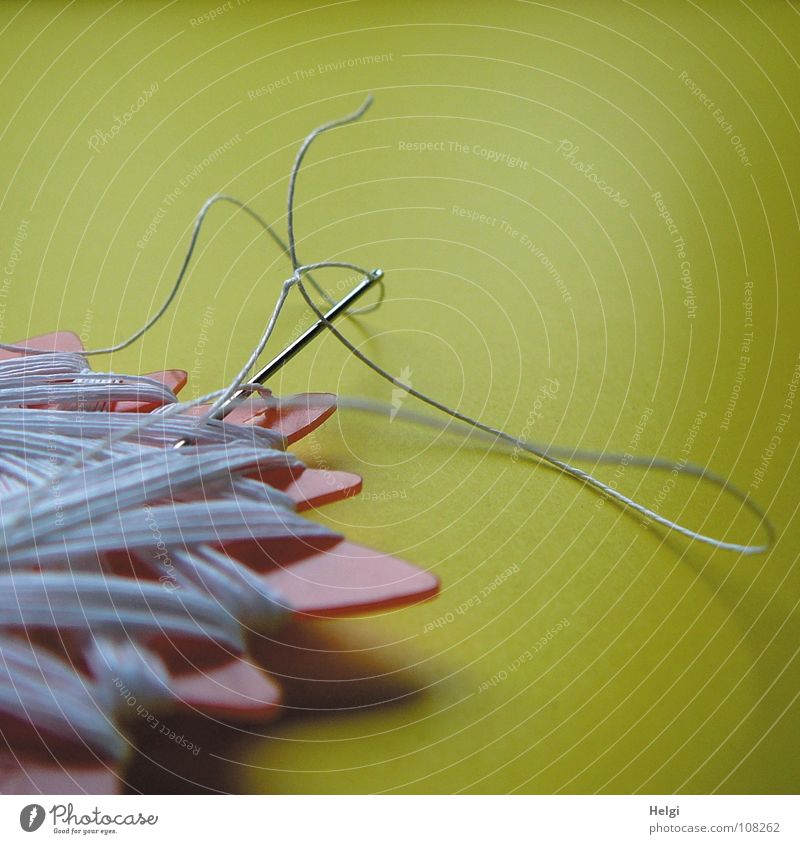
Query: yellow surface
[[678, 669]]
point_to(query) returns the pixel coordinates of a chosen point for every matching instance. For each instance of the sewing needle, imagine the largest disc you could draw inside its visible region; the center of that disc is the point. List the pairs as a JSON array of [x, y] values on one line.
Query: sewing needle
[[293, 348]]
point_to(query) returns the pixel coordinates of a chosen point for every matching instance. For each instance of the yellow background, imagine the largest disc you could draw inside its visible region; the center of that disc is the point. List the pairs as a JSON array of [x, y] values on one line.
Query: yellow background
[[678, 669]]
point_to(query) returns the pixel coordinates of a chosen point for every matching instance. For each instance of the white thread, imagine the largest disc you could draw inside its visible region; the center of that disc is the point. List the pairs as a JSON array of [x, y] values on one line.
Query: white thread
[[124, 467], [54, 697], [97, 603], [542, 454]]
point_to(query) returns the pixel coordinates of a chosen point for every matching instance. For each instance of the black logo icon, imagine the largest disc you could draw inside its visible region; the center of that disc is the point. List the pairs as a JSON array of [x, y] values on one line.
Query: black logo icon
[[31, 817]]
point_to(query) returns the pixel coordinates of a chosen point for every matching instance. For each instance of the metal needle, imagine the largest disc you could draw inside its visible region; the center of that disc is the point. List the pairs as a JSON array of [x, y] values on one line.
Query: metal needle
[[293, 348]]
